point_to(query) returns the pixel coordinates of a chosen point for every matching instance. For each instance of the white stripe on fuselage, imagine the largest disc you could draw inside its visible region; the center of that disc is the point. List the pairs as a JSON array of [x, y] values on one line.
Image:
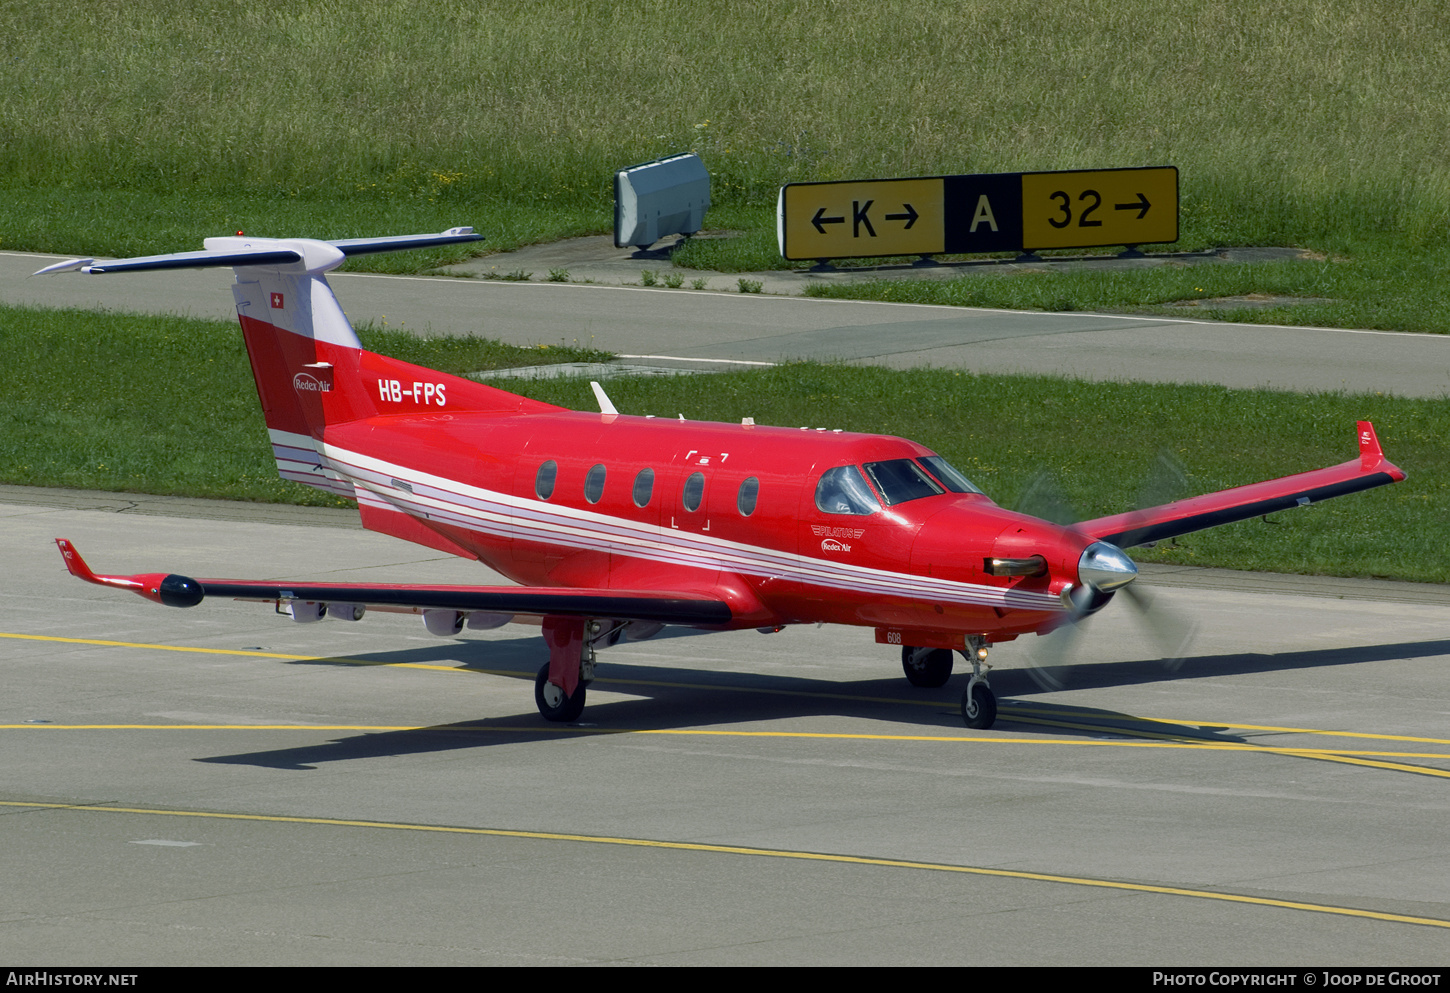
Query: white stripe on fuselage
[[462, 505]]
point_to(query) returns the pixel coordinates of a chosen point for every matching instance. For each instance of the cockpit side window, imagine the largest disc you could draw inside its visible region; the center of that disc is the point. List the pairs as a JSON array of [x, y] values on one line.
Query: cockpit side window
[[947, 474], [900, 480], [844, 491]]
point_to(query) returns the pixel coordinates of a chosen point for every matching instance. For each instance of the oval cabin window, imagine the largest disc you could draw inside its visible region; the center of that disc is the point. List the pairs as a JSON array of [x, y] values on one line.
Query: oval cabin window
[[745, 499], [544, 481], [694, 492], [594, 484], [644, 487]]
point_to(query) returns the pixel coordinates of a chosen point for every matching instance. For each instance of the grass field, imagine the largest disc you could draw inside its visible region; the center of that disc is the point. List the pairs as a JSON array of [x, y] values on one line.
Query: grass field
[[145, 126], [167, 405], [108, 401]]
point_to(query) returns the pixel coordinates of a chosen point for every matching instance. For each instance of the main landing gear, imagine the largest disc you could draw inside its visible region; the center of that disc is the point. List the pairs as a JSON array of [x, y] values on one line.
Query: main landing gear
[[553, 704], [926, 667], [932, 667], [559, 686]]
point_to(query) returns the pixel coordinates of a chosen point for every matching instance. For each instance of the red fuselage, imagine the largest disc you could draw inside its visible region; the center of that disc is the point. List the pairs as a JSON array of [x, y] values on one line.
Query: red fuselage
[[637, 503]]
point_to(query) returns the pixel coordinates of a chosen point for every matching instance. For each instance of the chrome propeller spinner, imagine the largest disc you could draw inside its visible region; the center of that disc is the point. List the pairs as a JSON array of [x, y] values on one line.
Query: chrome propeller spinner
[[1105, 567]]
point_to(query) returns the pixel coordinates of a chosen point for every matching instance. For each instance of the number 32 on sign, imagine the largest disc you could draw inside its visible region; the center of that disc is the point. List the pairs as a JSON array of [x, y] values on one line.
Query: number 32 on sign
[[1099, 207]]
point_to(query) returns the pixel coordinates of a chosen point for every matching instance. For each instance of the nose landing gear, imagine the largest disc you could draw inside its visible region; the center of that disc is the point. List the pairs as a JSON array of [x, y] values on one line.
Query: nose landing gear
[[979, 703]]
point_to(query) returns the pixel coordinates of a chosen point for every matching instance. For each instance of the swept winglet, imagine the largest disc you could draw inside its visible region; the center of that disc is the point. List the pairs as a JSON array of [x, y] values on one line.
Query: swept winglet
[[1370, 453], [74, 562], [144, 585]]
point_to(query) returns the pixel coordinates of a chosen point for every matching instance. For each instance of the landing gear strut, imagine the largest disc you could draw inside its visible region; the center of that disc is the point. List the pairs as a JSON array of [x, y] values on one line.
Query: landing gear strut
[[559, 686], [926, 667], [979, 703]]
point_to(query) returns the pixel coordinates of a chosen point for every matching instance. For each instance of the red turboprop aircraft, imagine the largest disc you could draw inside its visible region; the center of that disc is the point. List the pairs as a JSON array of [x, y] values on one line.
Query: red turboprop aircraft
[[618, 525]]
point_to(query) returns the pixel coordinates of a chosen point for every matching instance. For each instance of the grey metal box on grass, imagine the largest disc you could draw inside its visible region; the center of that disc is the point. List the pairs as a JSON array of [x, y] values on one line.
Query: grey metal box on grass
[[664, 197]]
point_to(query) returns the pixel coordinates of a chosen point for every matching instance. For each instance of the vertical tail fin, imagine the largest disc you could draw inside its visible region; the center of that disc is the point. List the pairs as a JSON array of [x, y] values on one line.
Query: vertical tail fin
[[310, 368]]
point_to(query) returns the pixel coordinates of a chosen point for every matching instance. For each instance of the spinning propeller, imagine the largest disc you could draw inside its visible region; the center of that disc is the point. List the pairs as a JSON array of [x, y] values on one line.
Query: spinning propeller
[[1105, 570]]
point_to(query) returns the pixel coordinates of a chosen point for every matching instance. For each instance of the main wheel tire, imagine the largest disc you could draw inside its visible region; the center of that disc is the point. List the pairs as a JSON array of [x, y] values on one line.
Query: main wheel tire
[[979, 707], [927, 670], [552, 703]]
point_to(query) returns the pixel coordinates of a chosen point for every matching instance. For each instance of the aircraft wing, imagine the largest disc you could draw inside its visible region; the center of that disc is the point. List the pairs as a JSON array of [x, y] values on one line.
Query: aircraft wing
[[1137, 527], [672, 607]]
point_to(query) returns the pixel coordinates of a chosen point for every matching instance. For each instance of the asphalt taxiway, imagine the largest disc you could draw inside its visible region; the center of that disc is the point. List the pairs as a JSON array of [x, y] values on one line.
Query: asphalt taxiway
[[707, 328], [221, 785]]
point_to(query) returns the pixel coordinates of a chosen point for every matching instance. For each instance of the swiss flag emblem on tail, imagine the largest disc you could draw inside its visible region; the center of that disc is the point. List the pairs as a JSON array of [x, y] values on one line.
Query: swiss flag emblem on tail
[[276, 301]]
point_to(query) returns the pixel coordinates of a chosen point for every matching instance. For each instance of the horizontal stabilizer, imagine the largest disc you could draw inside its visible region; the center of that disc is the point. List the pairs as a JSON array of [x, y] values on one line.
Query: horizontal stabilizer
[[241, 251], [365, 246], [178, 260]]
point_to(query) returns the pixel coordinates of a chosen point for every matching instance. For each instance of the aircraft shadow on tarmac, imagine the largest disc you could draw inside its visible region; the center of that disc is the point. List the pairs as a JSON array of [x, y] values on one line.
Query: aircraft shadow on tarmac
[[684, 697]]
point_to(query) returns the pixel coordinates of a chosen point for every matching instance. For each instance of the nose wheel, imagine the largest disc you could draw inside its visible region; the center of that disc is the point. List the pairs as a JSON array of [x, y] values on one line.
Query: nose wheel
[[979, 707], [979, 703]]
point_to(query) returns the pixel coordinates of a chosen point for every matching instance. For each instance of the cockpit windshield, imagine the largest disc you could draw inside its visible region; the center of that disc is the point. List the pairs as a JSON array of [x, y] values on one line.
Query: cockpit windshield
[[900, 480], [947, 474], [843, 491]]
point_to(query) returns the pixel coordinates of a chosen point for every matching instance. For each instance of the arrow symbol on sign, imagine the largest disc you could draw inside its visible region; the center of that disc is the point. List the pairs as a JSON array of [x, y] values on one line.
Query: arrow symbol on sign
[[820, 222], [909, 217], [1141, 206]]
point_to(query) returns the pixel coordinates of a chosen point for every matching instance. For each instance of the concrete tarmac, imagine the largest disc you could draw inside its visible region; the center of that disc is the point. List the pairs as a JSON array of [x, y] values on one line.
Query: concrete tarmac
[[704, 328], [223, 786]]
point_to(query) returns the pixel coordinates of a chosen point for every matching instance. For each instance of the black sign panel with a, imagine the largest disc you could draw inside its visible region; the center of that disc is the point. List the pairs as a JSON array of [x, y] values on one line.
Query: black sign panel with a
[[983, 213]]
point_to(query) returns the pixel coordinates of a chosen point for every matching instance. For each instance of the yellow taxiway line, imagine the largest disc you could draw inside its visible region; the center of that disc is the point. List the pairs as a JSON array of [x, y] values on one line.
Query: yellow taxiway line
[[1021, 714], [1371, 759], [778, 853]]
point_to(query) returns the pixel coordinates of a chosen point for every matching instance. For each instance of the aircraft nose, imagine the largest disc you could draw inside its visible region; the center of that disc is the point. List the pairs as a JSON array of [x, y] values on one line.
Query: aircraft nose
[[1105, 567]]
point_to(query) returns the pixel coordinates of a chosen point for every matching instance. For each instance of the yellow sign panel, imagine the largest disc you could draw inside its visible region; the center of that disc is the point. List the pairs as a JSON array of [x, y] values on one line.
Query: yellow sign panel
[[1099, 207], [854, 219]]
